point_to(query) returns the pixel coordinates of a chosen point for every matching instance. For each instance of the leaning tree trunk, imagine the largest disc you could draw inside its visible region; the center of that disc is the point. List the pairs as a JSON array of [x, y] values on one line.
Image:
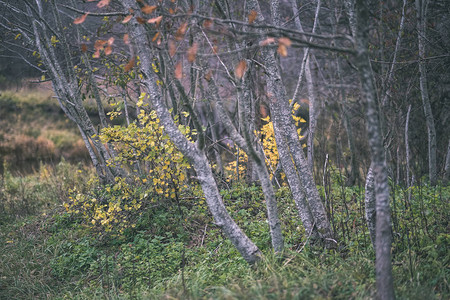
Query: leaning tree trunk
[[421, 6], [195, 155], [383, 265]]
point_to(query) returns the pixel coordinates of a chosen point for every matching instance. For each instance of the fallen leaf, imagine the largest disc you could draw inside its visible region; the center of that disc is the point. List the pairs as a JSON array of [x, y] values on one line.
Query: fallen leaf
[[140, 20], [108, 50], [126, 39], [99, 44], [207, 23], [172, 48], [181, 31], [155, 36], [252, 16], [282, 50], [285, 41], [83, 48], [103, 3], [110, 41], [267, 41], [156, 20]]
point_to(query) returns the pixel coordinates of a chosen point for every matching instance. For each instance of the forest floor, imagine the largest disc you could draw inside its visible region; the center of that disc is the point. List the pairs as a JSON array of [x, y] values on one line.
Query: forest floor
[[50, 248]]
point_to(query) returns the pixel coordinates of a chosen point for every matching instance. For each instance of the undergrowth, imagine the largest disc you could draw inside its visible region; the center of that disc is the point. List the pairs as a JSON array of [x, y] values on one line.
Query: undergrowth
[[175, 251]]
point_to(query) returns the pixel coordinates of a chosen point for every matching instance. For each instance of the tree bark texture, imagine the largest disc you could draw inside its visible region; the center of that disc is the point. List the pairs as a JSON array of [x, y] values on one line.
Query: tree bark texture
[[370, 204]]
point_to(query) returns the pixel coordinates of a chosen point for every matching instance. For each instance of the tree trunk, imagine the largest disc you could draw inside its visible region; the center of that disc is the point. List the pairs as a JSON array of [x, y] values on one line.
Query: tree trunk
[[383, 266], [370, 204], [421, 7]]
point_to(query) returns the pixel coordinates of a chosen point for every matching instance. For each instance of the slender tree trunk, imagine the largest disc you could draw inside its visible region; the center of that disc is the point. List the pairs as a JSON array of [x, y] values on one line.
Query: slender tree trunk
[[370, 204], [383, 266], [196, 156], [447, 164], [421, 7], [408, 153]]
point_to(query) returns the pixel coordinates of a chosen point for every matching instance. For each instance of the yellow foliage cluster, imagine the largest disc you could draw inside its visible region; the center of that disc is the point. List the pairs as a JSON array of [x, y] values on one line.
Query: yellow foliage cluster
[[157, 171]]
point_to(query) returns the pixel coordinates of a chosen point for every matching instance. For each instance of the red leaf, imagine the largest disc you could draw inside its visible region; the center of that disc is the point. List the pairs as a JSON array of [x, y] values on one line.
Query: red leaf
[[240, 69], [99, 44], [80, 19], [148, 9], [110, 41], [108, 50], [126, 39]]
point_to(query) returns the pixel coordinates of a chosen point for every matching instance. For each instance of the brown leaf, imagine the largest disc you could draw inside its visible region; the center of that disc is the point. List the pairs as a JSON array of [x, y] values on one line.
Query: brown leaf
[[83, 48], [172, 48], [179, 71], [110, 41], [103, 3], [252, 16], [155, 36], [148, 9], [99, 44], [108, 50], [127, 19], [240, 69], [181, 31], [126, 39], [81, 19], [192, 52], [285, 41], [208, 75], [267, 41], [171, 11], [282, 50], [129, 65], [140, 20], [207, 23], [156, 20]]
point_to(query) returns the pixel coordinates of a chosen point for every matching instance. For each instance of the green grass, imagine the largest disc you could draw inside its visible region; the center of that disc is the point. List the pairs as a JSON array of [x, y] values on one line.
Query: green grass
[[50, 254]]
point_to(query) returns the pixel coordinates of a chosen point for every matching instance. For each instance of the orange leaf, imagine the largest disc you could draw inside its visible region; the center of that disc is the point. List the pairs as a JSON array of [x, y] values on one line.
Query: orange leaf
[[83, 48], [99, 44], [110, 41], [207, 23], [108, 50], [240, 69], [171, 11], [282, 50], [252, 16], [267, 41], [149, 9], [208, 75], [126, 39], [140, 20], [172, 48], [181, 31], [192, 52], [179, 71], [96, 54], [127, 19], [80, 19], [155, 36], [129, 65], [156, 20], [285, 41], [103, 3]]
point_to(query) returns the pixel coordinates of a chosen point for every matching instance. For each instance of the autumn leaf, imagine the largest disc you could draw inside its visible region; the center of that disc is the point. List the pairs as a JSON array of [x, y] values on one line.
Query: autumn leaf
[[282, 50], [192, 52], [110, 41], [108, 50], [208, 75], [240, 69], [103, 3], [129, 65], [140, 20], [156, 20], [148, 9], [81, 19], [96, 54], [207, 23], [181, 31], [171, 11], [83, 48], [127, 19], [155, 36], [179, 71], [252, 16], [172, 48], [126, 39], [267, 41], [99, 44], [285, 41]]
